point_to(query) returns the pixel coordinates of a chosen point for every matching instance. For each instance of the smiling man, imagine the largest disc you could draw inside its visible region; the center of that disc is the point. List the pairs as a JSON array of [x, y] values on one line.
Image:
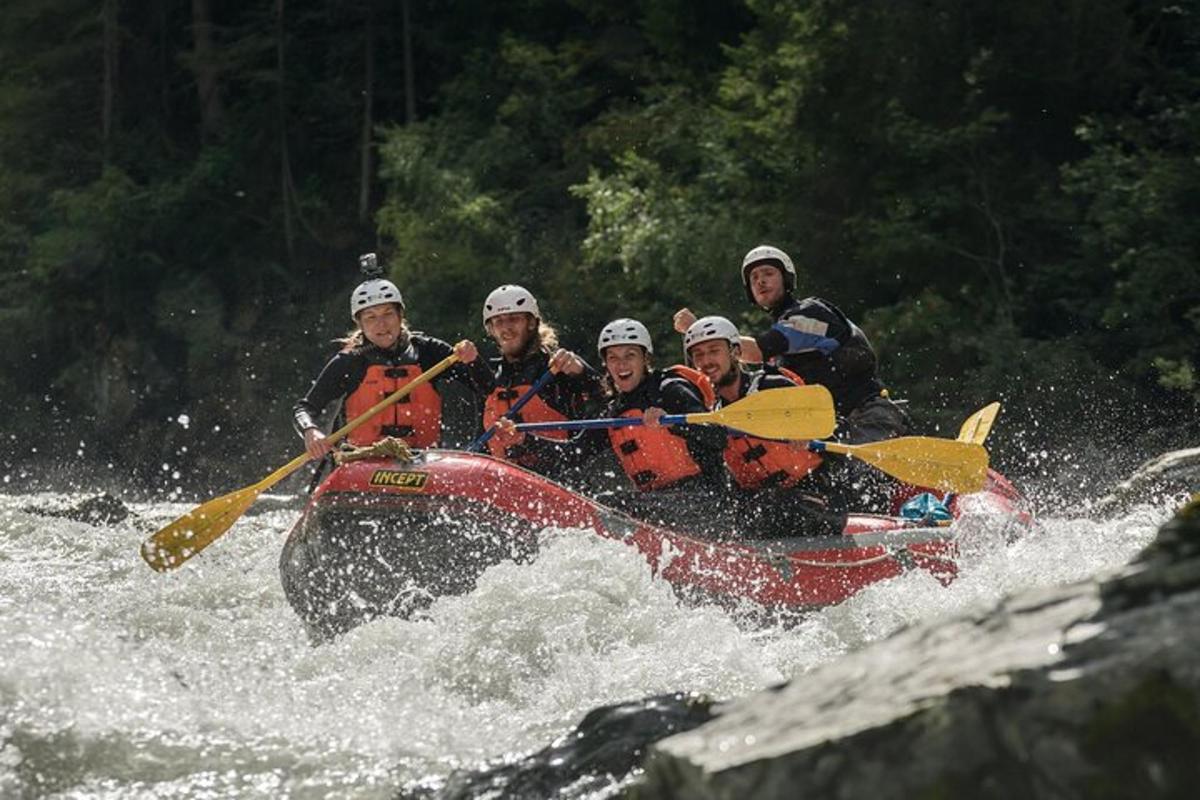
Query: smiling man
[[713, 346], [779, 492], [528, 347]]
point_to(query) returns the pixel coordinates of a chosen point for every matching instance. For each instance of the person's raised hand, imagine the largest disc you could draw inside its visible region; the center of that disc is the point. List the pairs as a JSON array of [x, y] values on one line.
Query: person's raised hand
[[684, 319]]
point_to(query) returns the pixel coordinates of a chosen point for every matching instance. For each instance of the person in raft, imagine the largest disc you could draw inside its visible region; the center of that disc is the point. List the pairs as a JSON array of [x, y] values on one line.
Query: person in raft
[[661, 462], [528, 348], [815, 340], [780, 488], [378, 357]]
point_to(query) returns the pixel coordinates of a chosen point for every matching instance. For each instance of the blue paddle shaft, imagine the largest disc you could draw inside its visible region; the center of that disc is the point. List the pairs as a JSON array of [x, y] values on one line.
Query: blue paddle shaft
[[585, 424], [517, 406]]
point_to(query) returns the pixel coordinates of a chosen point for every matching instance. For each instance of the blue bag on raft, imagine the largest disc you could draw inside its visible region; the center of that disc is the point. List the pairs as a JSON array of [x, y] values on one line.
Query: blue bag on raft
[[926, 507]]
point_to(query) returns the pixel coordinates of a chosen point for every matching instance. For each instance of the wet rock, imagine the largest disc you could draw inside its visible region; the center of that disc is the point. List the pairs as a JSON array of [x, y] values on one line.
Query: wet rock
[[591, 761], [1084, 691], [103, 509], [1173, 473]]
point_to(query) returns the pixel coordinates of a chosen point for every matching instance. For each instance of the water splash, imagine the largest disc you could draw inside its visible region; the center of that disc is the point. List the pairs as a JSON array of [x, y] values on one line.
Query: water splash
[[116, 681]]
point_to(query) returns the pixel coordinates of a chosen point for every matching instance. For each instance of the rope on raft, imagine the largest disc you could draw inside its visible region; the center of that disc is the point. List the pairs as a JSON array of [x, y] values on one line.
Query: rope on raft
[[388, 447]]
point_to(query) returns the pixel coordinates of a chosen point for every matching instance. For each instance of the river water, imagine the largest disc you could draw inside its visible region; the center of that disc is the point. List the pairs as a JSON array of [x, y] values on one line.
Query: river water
[[118, 682]]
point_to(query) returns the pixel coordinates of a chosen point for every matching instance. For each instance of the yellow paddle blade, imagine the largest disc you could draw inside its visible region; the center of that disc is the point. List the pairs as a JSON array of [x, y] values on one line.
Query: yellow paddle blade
[[795, 412], [196, 530], [200, 527], [944, 464], [977, 426]]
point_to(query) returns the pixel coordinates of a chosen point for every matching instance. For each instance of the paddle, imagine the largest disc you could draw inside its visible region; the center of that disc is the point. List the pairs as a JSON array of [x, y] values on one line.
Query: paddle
[[795, 412], [977, 426], [200, 527], [944, 464], [537, 386]]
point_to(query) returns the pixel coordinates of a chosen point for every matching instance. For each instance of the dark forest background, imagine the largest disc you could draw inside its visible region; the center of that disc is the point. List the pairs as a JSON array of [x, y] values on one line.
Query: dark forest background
[[1005, 195]]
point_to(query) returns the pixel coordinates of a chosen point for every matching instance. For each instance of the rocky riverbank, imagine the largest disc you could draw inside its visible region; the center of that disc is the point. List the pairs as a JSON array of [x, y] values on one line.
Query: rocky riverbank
[[1086, 690], [1090, 690]]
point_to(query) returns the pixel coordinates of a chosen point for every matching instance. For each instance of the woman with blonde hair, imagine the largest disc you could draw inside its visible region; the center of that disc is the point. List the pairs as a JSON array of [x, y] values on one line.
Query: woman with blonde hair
[[379, 357]]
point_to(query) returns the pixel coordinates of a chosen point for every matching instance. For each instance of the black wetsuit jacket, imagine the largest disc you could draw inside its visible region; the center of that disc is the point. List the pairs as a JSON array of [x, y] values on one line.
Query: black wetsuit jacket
[[345, 371], [814, 339]]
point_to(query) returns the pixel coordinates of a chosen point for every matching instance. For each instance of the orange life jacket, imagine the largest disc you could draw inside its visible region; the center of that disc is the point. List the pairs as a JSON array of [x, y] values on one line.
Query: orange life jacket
[[699, 380], [416, 417], [536, 409], [655, 458], [756, 463]]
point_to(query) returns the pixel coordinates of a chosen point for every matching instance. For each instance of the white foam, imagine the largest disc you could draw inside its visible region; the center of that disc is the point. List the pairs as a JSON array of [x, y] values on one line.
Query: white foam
[[203, 680]]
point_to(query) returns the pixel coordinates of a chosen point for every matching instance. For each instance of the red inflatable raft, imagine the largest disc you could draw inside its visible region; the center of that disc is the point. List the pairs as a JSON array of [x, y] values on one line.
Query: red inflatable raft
[[384, 537]]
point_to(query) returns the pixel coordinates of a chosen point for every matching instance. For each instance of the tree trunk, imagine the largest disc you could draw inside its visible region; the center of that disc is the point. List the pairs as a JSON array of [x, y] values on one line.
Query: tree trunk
[[285, 167], [410, 81], [204, 66], [368, 123], [108, 102], [164, 47]]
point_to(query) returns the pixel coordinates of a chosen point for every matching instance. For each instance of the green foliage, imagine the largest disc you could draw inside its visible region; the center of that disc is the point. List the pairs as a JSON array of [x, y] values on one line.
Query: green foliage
[[1003, 197], [1137, 188]]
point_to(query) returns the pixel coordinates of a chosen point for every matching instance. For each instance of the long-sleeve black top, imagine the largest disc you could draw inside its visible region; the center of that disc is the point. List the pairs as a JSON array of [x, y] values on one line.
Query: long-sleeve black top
[[814, 339], [345, 371]]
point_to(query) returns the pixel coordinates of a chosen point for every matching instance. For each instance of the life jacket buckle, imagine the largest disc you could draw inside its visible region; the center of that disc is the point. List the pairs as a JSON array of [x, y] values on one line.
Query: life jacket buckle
[[755, 453]]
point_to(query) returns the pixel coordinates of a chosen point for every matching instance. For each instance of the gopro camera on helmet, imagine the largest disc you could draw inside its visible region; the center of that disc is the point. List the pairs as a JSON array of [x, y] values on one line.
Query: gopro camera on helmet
[[368, 265]]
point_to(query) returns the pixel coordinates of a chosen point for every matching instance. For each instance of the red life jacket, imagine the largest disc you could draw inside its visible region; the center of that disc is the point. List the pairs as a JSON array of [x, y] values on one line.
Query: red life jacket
[[416, 417], [536, 409], [655, 458], [756, 463]]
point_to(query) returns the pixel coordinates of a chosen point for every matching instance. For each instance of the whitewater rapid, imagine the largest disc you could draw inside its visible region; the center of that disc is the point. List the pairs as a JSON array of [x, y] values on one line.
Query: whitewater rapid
[[119, 682]]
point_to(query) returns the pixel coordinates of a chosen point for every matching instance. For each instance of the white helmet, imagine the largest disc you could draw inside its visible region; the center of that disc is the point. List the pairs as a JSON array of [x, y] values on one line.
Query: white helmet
[[510, 300], [375, 292], [771, 255], [708, 328], [624, 331]]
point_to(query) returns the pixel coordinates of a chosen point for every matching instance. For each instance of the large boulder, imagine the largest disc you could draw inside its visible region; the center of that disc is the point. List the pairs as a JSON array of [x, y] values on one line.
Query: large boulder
[[1089, 691]]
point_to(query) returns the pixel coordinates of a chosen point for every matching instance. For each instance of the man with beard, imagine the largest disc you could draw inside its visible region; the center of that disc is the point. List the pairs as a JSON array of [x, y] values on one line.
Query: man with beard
[[780, 494], [528, 347], [675, 471], [814, 339]]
